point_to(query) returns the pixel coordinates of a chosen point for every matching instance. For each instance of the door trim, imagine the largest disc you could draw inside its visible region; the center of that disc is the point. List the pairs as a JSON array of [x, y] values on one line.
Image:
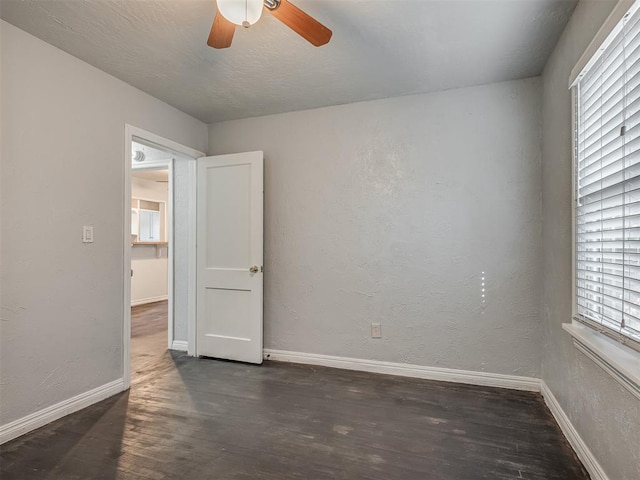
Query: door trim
[[130, 132], [192, 285]]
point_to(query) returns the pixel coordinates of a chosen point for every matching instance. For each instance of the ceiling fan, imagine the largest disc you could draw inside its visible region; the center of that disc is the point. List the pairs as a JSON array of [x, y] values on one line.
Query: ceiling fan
[[247, 12]]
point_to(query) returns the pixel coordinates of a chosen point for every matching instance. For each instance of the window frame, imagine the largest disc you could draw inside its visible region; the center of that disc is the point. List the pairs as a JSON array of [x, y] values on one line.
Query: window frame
[[590, 56], [620, 357], [603, 329]]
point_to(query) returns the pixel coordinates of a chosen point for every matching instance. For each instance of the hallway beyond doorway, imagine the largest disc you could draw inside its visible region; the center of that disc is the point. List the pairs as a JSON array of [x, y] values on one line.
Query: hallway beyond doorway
[[149, 319], [148, 339]]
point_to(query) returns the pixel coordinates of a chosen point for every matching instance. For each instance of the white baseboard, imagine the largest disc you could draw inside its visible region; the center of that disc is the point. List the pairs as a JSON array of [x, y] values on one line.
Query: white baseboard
[[144, 301], [584, 454], [407, 370], [179, 345], [23, 425]]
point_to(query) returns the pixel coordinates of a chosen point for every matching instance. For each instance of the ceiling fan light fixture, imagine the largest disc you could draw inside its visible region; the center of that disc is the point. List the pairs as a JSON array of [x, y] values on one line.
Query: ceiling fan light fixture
[[241, 12]]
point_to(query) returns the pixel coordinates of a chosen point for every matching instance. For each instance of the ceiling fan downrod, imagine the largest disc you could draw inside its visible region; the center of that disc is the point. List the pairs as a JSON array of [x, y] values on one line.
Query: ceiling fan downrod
[[272, 4]]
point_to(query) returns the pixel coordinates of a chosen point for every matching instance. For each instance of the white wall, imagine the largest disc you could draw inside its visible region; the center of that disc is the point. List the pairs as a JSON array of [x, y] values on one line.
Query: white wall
[[149, 263], [182, 240], [63, 167], [604, 413], [147, 189], [389, 211]]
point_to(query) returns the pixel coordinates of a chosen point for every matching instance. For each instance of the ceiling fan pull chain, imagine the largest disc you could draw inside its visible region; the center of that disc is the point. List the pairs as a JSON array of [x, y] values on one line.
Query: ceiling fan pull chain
[[245, 22]]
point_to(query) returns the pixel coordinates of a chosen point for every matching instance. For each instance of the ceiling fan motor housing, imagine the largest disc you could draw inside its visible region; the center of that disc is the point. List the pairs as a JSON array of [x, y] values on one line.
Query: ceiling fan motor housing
[[241, 12]]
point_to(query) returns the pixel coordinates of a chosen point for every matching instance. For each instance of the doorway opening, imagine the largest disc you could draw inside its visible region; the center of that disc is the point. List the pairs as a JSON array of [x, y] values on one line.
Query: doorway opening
[[159, 250], [152, 268]]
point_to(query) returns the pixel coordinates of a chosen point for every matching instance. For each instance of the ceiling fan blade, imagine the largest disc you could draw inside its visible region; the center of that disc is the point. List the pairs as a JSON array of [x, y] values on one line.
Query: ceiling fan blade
[[221, 32], [301, 23]]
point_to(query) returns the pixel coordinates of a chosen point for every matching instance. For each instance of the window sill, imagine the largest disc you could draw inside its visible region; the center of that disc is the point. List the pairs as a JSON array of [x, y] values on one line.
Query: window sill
[[621, 362]]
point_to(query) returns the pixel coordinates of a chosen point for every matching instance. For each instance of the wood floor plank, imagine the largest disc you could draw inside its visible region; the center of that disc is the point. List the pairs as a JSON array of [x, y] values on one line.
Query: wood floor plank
[[200, 418], [149, 318]]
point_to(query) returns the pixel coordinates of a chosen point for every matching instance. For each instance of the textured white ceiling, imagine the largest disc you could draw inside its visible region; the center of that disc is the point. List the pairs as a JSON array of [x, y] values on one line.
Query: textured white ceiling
[[379, 49]]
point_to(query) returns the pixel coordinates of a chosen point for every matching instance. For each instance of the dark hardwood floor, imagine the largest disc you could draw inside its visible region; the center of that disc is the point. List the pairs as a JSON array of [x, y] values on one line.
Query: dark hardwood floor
[[148, 320], [189, 418]]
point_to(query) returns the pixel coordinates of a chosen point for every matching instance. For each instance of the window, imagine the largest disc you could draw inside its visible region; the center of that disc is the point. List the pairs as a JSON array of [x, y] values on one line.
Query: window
[[607, 186]]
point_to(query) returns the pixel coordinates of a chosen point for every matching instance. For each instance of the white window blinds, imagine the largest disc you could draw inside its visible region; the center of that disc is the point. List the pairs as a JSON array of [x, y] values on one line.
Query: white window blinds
[[607, 173]]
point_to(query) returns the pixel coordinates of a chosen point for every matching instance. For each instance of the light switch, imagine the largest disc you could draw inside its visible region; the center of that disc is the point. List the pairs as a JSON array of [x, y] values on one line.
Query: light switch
[[87, 234], [376, 330]]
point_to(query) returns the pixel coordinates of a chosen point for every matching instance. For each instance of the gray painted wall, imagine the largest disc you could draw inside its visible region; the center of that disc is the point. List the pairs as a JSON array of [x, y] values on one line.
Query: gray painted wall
[[63, 167], [605, 414], [389, 211]]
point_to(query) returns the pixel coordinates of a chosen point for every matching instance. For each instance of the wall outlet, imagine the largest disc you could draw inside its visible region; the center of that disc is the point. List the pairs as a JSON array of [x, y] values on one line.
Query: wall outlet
[[87, 234], [376, 330]]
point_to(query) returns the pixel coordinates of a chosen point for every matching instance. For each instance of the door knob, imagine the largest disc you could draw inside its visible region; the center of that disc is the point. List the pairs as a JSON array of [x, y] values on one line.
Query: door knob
[[254, 269]]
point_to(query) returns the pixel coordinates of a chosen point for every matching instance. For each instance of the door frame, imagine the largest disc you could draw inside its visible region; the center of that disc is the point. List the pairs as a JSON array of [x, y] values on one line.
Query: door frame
[[132, 133]]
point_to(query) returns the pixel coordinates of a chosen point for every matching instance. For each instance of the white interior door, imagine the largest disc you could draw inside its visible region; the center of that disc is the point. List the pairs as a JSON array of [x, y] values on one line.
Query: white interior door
[[229, 257]]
